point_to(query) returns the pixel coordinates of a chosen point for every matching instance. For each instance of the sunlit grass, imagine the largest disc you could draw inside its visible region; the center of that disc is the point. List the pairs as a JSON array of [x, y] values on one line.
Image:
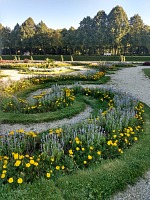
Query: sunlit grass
[[147, 72]]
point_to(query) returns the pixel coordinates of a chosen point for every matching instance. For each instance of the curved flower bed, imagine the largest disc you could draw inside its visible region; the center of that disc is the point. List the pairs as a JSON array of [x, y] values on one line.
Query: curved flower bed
[[26, 156]]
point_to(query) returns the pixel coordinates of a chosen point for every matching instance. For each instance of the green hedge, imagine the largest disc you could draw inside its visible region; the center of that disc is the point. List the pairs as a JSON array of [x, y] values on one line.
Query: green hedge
[[79, 58]]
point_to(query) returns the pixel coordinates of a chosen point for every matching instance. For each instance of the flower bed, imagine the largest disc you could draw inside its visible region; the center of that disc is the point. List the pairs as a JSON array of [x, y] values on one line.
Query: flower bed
[[26, 156]]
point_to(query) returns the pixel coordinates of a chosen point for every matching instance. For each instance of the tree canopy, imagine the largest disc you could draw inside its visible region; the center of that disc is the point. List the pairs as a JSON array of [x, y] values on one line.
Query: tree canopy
[[113, 33]]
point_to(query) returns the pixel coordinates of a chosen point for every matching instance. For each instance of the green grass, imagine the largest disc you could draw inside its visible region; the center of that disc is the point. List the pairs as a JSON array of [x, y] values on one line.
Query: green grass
[[99, 182], [66, 112], [147, 72]]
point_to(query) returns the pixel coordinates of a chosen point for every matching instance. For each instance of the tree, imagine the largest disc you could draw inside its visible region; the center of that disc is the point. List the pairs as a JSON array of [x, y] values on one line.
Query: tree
[[118, 27], [136, 29], [27, 31], [86, 35], [100, 23]]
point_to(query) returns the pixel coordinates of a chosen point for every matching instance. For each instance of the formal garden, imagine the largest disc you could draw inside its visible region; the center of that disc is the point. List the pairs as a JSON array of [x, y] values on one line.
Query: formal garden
[[91, 159]]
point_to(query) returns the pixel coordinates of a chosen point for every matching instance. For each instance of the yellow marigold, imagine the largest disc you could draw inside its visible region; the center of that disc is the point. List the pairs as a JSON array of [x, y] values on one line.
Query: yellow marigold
[[48, 175], [85, 162], [63, 167], [10, 180], [6, 157], [51, 131], [5, 162], [4, 171], [32, 162], [17, 163], [36, 164], [20, 180], [21, 157], [109, 142], [3, 176], [114, 144], [16, 155], [83, 149], [135, 138], [91, 148], [99, 152], [57, 167], [120, 151], [89, 157], [70, 152], [11, 133], [52, 159], [77, 148], [4, 166], [28, 165]]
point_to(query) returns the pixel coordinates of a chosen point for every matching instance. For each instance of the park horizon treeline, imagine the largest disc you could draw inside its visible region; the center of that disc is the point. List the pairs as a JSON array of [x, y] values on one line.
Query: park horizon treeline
[[113, 33]]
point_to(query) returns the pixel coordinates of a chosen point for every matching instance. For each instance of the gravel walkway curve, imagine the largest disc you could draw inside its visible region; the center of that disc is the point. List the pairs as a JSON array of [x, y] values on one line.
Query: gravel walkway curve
[[133, 80]]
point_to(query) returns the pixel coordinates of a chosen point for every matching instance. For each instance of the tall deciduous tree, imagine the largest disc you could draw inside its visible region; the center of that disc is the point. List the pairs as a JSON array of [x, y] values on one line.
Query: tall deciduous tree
[[136, 29], [100, 23], [27, 31], [118, 26]]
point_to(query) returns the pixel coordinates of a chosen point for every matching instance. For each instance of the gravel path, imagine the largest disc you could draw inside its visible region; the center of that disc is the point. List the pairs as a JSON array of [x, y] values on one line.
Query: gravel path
[[39, 127], [132, 80]]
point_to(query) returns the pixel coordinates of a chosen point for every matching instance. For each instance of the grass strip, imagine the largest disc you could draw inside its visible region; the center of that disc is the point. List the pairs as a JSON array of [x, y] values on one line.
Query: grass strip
[[66, 112], [147, 72]]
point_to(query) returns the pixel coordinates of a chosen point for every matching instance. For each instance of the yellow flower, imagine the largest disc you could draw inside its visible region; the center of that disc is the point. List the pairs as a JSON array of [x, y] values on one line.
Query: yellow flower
[[4, 171], [17, 163], [91, 148], [4, 166], [11, 133], [89, 157], [84, 162], [120, 150], [57, 167], [3, 176], [52, 159], [6, 157], [115, 144], [83, 148], [135, 138], [109, 142], [32, 162], [21, 157], [20, 180], [63, 167], [10, 180], [99, 152], [51, 131], [35, 164], [77, 148], [48, 175], [5, 162], [70, 152], [16, 155], [28, 165]]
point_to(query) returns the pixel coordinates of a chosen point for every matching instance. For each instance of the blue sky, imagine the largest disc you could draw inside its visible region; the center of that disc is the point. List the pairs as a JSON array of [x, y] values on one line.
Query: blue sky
[[66, 13]]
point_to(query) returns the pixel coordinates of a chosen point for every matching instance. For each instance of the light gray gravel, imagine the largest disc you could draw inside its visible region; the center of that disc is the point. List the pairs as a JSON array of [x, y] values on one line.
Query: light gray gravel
[[39, 127], [132, 80]]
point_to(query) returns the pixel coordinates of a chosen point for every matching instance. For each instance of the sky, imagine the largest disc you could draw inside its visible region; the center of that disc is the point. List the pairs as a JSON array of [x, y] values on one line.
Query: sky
[[59, 14]]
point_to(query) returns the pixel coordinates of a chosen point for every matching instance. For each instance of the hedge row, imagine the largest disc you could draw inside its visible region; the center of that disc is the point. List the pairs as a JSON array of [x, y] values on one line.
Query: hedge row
[[78, 58]]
